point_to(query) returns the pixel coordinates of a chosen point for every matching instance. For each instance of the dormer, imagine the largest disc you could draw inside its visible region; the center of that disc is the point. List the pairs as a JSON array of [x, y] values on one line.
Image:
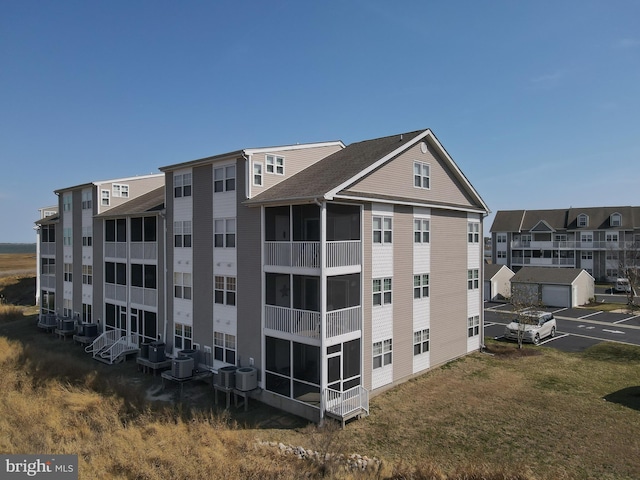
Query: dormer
[[583, 220], [615, 220]]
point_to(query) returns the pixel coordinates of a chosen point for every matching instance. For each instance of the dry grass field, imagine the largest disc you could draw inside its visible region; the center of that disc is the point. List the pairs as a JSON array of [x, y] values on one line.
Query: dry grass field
[[501, 415]]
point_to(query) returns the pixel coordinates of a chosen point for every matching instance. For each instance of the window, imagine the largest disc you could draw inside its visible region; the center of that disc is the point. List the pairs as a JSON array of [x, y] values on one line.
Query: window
[[421, 175], [120, 190], [143, 229], [381, 291], [583, 220], [105, 197], [48, 266], [420, 230], [382, 229], [224, 347], [473, 326], [611, 237], [67, 307], [382, 353], [48, 234], [560, 237], [182, 285], [182, 337], [68, 272], [87, 201], [224, 290], [473, 279], [224, 233], [115, 230], [612, 255], [501, 254], [224, 179], [143, 275], [612, 272], [66, 202], [616, 220], [275, 164], [87, 236], [87, 274], [66, 236], [421, 286], [586, 237], [115, 273], [182, 234], [586, 255], [420, 342], [474, 232], [182, 185], [86, 313], [501, 238], [257, 174]]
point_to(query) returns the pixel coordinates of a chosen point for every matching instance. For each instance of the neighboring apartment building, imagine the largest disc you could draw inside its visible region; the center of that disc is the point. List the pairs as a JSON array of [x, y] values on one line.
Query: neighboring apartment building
[[337, 272], [69, 258], [601, 240]]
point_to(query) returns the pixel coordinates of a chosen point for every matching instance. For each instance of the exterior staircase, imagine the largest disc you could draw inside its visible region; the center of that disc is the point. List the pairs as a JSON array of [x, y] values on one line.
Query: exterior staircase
[[346, 405], [112, 347]]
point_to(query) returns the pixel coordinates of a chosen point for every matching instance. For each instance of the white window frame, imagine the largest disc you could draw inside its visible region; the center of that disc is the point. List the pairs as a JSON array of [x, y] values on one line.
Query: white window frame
[[274, 163], [183, 285], [383, 226], [257, 174], [182, 185], [473, 232], [615, 220], [583, 220], [501, 254], [420, 342], [68, 272], [382, 353], [586, 254], [67, 200], [422, 175], [382, 291], [612, 237], [67, 236], [421, 230], [87, 274], [473, 326], [224, 233], [225, 176], [224, 290], [501, 238], [421, 286], [87, 201], [183, 333], [87, 236], [105, 198], [120, 190], [586, 237], [473, 279], [224, 347], [182, 231]]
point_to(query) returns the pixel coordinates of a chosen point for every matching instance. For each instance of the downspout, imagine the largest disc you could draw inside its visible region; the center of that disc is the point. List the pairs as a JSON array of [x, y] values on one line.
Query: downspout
[[482, 345], [248, 174], [323, 305], [163, 216]]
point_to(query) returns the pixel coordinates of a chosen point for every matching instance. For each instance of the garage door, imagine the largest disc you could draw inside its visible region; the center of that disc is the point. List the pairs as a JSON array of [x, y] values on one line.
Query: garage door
[[487, 291], [556, 295]]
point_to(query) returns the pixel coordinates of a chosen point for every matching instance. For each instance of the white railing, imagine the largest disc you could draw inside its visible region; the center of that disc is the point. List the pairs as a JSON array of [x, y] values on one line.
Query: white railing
[[343, 321], [47, 248], [292, 254], [290, 320], [341, 254], [144, 250], [115, 249], [144, 296], [344, 403], [115, 292], [120, 346], [103, 341]]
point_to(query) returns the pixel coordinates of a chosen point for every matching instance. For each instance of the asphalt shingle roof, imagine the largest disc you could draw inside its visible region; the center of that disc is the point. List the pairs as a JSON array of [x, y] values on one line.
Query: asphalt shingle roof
[[149, 202], [557, 276]]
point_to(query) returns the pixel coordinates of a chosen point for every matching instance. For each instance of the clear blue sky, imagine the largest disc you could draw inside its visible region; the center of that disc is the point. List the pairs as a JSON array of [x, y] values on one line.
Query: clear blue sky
[[537, 101]]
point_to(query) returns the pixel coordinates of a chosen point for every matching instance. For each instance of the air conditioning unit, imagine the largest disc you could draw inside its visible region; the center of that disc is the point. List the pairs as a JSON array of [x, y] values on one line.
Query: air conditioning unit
[[246, 379], [226, 377], [182, 367]]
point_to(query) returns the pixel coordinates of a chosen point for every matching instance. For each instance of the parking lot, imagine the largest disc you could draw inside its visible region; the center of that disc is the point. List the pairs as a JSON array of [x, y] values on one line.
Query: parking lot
[[578, 328]]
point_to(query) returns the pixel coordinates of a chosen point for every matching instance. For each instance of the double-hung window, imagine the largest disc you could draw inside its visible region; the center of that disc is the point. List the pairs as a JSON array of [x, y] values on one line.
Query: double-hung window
[[224, 179], [421, 230], [183, 336], [381, 291], [87, 200], [120, 190], [257, 174], [224, 347], [182, 185], [105, 198], [474, 232], [68, 272], [473, 279], [224, 290], [224, 234], [421, 286], [473, 326], [87, 274], [382, 229], [275, 164], [87, 236], [382, 353], [182, 234], [421, 342], [421, 175], [182, 285]]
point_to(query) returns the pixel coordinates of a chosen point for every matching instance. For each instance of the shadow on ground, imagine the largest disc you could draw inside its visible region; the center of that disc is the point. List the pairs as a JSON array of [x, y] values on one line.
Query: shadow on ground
[[628, 397]]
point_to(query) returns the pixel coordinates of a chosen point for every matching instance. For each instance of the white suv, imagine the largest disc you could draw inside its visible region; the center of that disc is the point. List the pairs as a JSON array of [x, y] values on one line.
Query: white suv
[[538, 325]]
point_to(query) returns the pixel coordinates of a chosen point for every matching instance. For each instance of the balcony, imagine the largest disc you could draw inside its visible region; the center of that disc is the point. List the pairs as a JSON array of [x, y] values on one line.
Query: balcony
[[307, 254], [544, 262], [307, 323]]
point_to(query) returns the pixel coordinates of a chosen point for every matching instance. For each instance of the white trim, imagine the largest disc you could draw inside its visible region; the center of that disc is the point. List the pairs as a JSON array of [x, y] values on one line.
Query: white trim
[[251, 151], [412, 204]]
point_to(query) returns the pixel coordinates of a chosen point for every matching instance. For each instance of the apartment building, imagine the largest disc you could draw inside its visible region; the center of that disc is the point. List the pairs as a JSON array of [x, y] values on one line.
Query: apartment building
[[601, 240], [334, 271]]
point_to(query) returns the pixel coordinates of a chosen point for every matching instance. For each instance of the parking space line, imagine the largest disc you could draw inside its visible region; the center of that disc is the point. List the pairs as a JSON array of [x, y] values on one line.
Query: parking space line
[[590, 315], [560, 310], [551, 339], [625, 319], [490, 324]]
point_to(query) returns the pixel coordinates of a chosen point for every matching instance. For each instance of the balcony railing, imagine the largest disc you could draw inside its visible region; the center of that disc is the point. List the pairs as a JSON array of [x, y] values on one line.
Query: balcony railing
[[144, 250], [290, 320], [144, 296], [343, 321], [574, 244], [115, 249], [344, 404], [543, 262], [307, 254]]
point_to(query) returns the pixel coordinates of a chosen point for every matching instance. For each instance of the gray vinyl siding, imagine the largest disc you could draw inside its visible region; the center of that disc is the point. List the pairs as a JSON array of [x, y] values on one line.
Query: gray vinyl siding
[[202, 255], [395, 178], [137, 186], [367, 334], [402, 291], [169, 265], [294, 161], [249, 278], [76, 265], [448, 285]]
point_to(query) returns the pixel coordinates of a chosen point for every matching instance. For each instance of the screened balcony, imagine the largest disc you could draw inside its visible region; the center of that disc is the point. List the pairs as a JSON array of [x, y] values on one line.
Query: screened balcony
[[293, 235]]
